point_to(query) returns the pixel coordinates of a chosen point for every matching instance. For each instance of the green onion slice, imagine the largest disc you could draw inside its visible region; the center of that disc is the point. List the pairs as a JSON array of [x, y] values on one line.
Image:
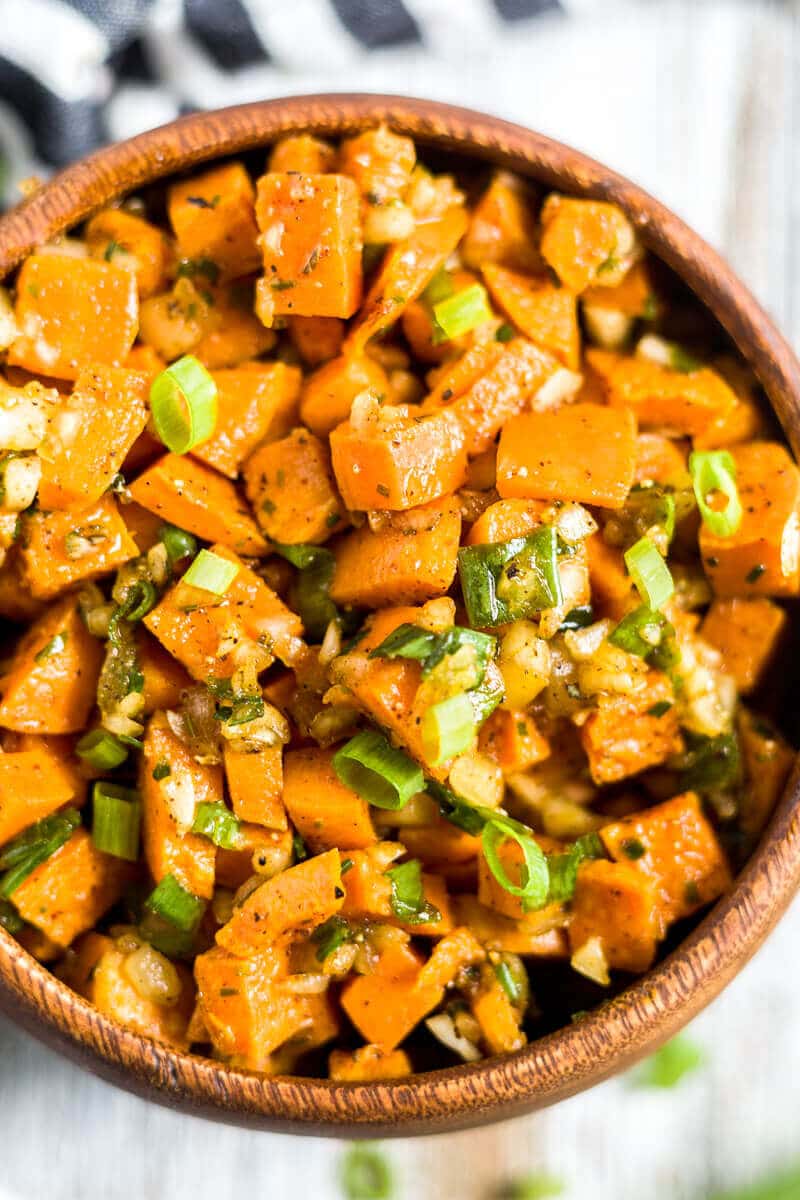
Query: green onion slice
[[175, 905], [408, 897], [461, 312], [183, 401], [406, 641], [178, 544], [507, 981], [365, 1174], [713, 472], [216, 822], [440, 288], [649, 572], [34, 846], [448, 728], [507, 581], [563, 868], [310, 593], [532, 889], [669, 1065], [116, 819], [379, 773], [102, 750], [211, 573], [330, 935]]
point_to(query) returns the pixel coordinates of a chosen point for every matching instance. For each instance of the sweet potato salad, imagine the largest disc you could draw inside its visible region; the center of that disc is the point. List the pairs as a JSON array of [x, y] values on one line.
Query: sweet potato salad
[[394, 564]]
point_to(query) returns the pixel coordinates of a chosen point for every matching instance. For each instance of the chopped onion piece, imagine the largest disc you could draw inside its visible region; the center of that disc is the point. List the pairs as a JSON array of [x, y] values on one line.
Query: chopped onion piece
[[590, 960], [443, 1029]]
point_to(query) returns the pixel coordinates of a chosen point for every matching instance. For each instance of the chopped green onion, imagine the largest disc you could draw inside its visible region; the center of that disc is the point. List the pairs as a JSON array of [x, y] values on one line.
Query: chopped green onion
[[648, 634], [10, 920], [456, 638], [408, 896], [504, 333], [330, 935], [116, 817], [381, 774], [460, 313], [244, 709], [470, 817], [672, 1063], [649, 572], [178, 543], [507, 981], [54, 646], [365, 1174], [507, 581], [211, 573], [648, 507], [577, 618], [782, 1185], [310, 593], [406, 641], [434, 649], [299, 847], [216, 822], [21, 856], [714, 472], [175, 905], [487, 695], [102, 750], [448, 728], [531, 1187], [183, 401], [534, 876], [563, 868], [709, 764], [161, 770], [440, 288]]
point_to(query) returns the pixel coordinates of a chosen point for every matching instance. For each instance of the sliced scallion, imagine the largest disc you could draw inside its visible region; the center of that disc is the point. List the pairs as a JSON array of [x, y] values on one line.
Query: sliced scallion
[[330, 935], [116, 818], [102, 750], [714, 474], [534, 876], [649, 572], [211, 573], [647, 633], [507, 581], [460, 313], [183, 401], [21, 856], [379, 773], [408, 896], [174, 904], [216, 822], [448, 728]]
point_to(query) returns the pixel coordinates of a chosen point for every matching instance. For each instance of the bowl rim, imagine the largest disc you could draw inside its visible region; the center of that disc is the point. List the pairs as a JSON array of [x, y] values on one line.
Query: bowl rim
[[651, 1009]]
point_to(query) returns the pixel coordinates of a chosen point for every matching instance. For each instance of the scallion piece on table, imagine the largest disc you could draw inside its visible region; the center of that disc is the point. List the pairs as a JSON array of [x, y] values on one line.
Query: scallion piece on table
[[216, 822], [211, 573], [21, 856], [649, 572], [183, 401], [116, 819], [102, 750], [175, 905], [178, 543], [673, 1062], [382, 775], [408, 896], [534, 876], [365, 1174], [461, 312], [448, 728], [713, 474], [508, 581]]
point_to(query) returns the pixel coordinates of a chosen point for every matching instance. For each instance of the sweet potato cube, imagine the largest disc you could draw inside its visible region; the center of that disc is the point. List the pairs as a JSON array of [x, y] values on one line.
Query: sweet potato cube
[[539, 935], [213, 217], [544, 455], [63, 547], [302, 152], [290, 486], [617, 904], [72, 889], [128, 241], [51, 682], [316, 339], [164, 677], [411, 559], [544, 312], [204, 636], [73, 313], [511, 738], [497, 1017], [502, 228], [613, 591], [108, 407], [256, 402], [33, 784], [493, 895], [684, 402], [585, 241], [746, 632], [768, 759], [329, 392], [762, 558], [672, 845], [368, 893], [311, 242], [323, 810], [625, 735], [634, 295], [234, 335], [659, 459], [169, 847], [192, 496], [255, 784], [256, 844], [440, 843], [400, 464], [367, 1064]]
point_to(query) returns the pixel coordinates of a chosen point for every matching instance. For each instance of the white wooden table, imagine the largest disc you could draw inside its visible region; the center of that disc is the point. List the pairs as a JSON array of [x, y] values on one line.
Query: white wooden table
[[700, 102]]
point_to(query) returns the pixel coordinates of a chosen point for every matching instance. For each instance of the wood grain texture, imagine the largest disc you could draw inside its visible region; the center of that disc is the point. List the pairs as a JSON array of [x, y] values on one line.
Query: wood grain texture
[[653, 1008]]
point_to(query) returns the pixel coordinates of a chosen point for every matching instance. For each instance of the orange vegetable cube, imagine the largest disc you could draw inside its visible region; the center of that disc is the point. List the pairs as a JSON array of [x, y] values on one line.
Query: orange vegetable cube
[[617, 904], [505, 520], [233, 335], [256, 402], [63, 547], [497, 1017], [539, 935], [258, 847], [380, 162], [586, 241], [302, 152], [684, 402], [368, 1063], [324, 811], [440, 843], [544, 455], [328, 393], [108, 411], [502, 228], [763, 556], [128, 241], [290, 486], [164, 677], [613, 591], [634, 295], [768, 759], [316, 339], [192, 496], [493, 895], [411, 559], [624, 736], [72, 313], [255, 784], [16, 601], [51, 682], [511, 738], [213, 217], [544, 312], [659, 459], [747, 633], [143, 526], [368, 893], [34, 783]]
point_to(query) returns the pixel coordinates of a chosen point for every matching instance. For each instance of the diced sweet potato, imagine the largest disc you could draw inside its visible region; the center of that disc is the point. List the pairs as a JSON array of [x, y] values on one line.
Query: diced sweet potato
[[16, 601], [324, 811], [682, 856], [368, 893], [103, 418], [634, 295], [586, 241], [492, 894], [304, 153], [256, 402], [613, 591], [51, 682], [33, 784], [213, 217], [73, 313], [502, 228], [255, 784], [367, 1064], [380, 162], [234, 334], [659, 459], [440, 843], [625, 735], [258, 846], [204, 636], [290, 486], [316, 339], [544, 312], [421, 331], [164, 677], [168, 807], [328, 394], [497, 1017], [543, 455], [762, 557], [540, 935], [63, 547], [411, 559], [747, 633], [130, 242], [72, 889], [684, 402], [192, 496], [617, 904], [767, 759], [505, 520], [311, 243], [511, 738]]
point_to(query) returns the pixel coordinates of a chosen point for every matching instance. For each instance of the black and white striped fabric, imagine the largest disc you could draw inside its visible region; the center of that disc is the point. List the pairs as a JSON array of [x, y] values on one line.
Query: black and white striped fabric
[[77, 73]]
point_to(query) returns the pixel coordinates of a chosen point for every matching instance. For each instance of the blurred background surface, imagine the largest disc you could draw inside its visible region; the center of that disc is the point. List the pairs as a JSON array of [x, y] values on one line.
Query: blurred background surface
[[699, 101]]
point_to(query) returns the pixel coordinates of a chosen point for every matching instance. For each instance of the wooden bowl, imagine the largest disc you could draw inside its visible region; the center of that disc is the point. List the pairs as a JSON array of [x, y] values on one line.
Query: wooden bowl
[[652, 1009]]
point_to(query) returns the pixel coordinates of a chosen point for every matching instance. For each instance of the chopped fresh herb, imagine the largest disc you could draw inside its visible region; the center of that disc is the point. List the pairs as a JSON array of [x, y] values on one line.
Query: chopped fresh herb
[[659, 709], [201, 202], [299, 847], [563, 868], [332, 520], [408, 897], [161, 770], [504, 333], [282, 285], [312, 261], [577, 618], [756, 573], [382, 489], [190, 268], [633, 849], [54, 646], [365, 1174], [330, 935], [110, 250], [709, 764], [347, 865], [507, 981], [672, 1063]]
